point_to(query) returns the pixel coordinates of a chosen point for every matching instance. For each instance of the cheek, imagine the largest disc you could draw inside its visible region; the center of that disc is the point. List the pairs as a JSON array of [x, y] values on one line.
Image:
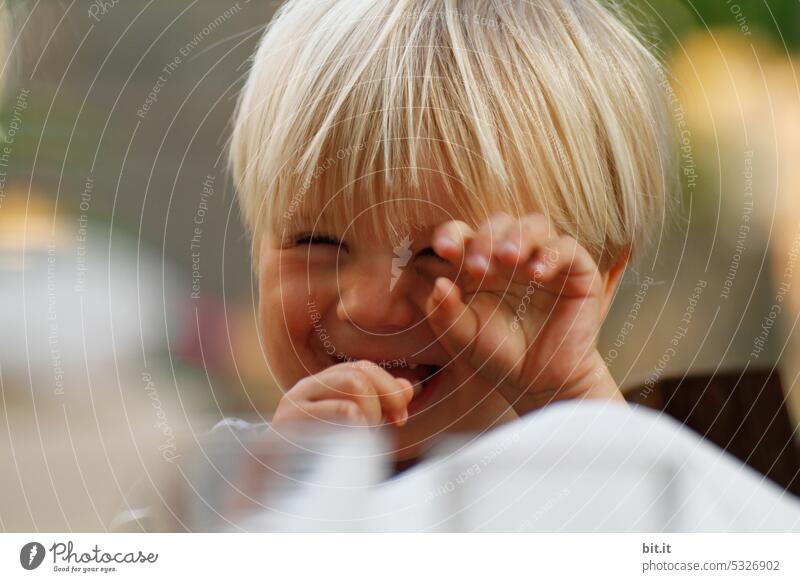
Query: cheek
[[287, 314]]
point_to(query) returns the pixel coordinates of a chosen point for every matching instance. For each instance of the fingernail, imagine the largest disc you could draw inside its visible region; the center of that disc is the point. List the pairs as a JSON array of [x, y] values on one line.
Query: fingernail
[[403, 419], [510, 249], [538, 268], [478, 263], [445, 243]]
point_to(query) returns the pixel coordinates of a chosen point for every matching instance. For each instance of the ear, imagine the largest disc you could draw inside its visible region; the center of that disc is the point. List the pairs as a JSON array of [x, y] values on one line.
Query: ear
[[611, 279]]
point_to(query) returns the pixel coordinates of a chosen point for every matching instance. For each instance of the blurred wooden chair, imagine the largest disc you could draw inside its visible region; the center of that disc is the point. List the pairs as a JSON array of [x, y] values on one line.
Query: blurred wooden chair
[[743, 412]]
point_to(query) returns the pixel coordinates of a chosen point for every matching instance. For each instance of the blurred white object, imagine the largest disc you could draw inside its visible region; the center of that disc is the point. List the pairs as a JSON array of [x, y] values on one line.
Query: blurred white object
[[572, 467], [71, 305], [592, 466]]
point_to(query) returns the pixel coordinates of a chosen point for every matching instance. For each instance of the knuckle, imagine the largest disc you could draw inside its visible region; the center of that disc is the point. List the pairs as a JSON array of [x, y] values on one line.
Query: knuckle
[[324, 379], [347, 410], [302, 385], [364, 365], [288, 410], [358, 383], [290, 399]]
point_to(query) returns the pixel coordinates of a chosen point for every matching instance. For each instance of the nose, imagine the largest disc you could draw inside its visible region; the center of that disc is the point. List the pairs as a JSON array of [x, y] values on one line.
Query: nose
[[376, 299]]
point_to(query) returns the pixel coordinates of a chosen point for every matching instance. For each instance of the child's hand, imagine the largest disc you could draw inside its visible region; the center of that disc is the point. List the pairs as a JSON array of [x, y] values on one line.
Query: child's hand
[[524, 311], [357, 393]]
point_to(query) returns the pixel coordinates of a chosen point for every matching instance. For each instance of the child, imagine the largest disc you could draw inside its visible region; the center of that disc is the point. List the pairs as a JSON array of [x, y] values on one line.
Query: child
[[443, 196]]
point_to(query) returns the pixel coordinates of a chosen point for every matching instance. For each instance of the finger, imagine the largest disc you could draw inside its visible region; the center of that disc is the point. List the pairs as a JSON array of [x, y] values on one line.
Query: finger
[[563, 262], [393, 393], [378, 392], [485, 243], [523, 239], [343, 382], [450, 240], [454, 324], [334, 411]]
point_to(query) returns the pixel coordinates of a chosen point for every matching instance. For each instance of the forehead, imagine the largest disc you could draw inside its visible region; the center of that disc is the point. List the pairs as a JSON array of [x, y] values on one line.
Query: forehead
[[386, 214]]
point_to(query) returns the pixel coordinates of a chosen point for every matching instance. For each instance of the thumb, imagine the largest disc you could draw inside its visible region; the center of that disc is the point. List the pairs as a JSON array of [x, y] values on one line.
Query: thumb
[[453, 322]]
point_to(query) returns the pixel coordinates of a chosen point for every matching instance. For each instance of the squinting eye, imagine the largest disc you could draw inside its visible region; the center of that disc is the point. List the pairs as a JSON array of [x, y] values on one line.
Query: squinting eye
[[317, 239]]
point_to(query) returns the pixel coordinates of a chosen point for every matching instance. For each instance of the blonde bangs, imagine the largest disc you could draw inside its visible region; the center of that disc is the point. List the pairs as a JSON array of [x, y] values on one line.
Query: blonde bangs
[[372, 108], [385, 184]]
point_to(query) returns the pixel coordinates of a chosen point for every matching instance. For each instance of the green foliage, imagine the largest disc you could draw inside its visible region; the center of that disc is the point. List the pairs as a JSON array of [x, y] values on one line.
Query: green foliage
[[777, 18], [669, 20]]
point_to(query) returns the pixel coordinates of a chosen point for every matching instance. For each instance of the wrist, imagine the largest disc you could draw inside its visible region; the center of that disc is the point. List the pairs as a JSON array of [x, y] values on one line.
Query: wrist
[[591, 381]]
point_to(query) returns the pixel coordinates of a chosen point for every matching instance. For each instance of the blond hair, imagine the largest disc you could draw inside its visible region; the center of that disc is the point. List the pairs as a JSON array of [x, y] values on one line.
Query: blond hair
[[554, 106]]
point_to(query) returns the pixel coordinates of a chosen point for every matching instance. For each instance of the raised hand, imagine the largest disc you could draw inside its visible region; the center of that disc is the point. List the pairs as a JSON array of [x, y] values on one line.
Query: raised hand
[[524, 311]]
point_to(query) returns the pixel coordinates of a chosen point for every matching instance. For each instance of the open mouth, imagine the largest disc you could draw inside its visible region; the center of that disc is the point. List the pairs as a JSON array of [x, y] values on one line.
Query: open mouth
[[423, 377]]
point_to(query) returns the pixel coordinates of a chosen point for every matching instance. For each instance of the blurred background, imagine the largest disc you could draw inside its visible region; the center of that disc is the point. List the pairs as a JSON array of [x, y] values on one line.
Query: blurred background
[[127, 303]]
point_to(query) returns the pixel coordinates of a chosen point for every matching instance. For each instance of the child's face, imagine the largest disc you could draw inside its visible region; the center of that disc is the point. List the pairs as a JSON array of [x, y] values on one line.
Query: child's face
[[326, 296]]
